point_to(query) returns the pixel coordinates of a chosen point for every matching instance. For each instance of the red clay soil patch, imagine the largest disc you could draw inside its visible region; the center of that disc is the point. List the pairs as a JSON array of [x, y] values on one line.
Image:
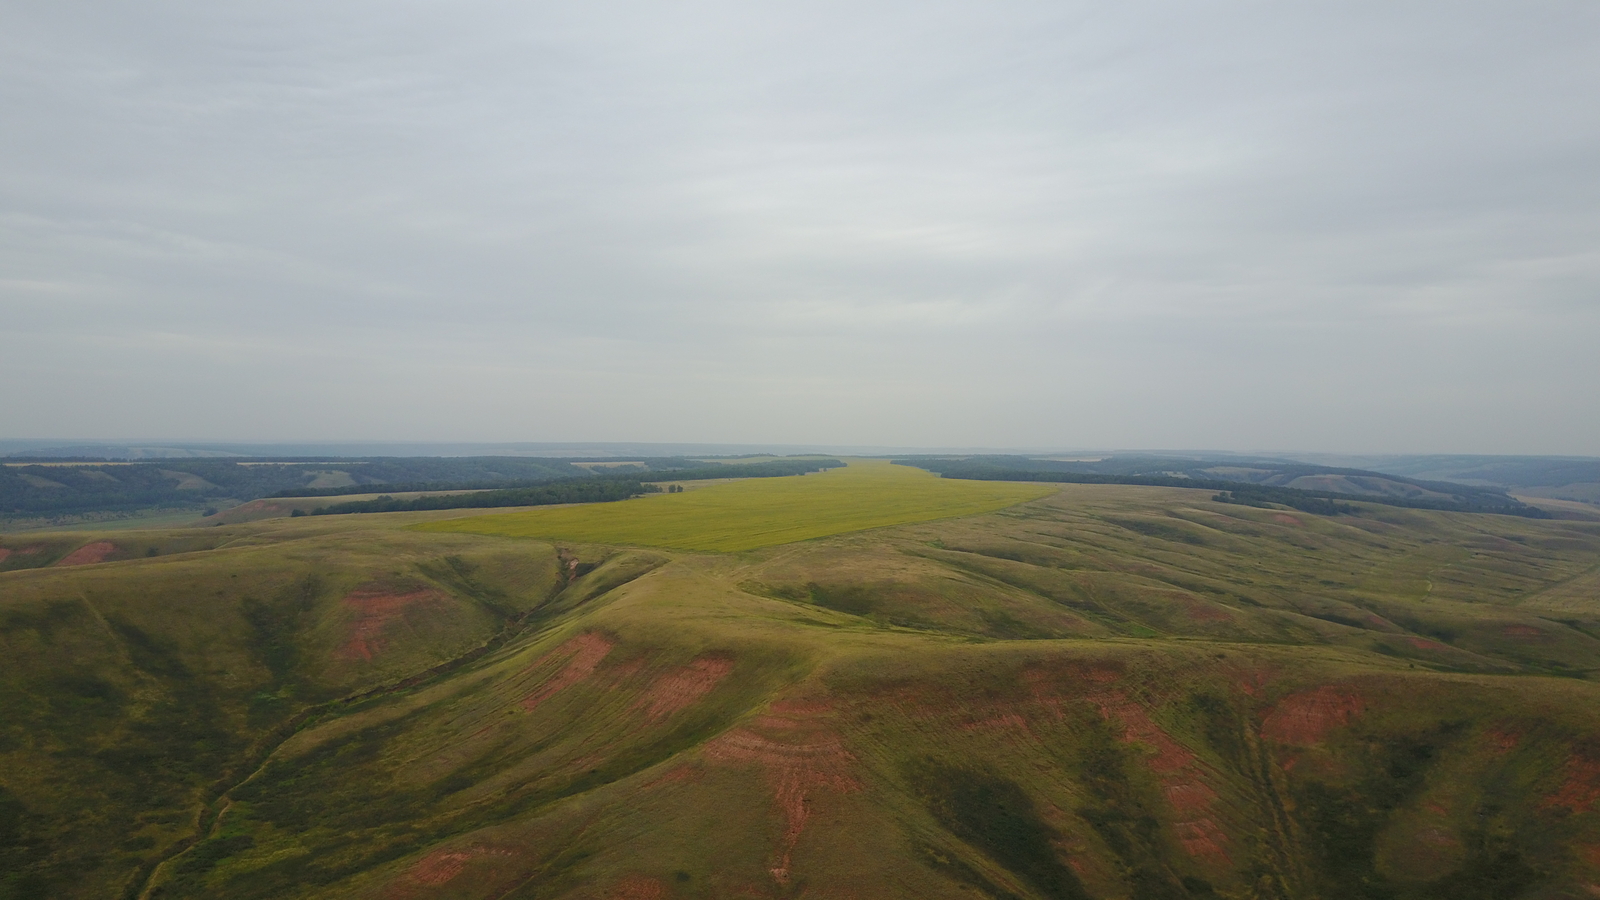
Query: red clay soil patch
[[1425, 644], [1137, 727], [637, 887], [1187, 797], [1522, 631], [1306, 718], [1503, 740], [5, 554], [1581, 788], [1178, 770], [88, 553], [1180, 773], [1285, 519], [375, 607], [1046, 685], [799, 755], [583, 654], [681, 687], [441, 866], [1202, 839]]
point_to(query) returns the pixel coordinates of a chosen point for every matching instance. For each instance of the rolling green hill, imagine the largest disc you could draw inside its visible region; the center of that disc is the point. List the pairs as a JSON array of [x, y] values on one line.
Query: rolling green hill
[[1103, 691]]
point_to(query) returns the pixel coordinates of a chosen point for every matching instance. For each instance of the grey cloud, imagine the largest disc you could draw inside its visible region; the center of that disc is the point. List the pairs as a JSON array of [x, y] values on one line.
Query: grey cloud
[[1355, 226]]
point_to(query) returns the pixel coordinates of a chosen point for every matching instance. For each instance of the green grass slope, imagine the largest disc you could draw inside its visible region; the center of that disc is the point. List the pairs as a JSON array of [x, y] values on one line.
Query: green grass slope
[[1106, 692]]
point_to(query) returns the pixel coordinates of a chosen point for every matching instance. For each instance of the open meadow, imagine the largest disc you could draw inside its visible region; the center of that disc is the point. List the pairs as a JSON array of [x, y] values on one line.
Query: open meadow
[[747, 514], [869, 682]]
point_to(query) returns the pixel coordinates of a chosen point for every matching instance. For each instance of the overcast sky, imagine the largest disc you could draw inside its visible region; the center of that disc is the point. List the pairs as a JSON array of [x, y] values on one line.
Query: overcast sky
[[1352, 226]]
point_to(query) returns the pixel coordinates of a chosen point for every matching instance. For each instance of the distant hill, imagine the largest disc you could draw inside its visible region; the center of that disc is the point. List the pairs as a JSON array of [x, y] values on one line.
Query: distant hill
[[1557, 478]]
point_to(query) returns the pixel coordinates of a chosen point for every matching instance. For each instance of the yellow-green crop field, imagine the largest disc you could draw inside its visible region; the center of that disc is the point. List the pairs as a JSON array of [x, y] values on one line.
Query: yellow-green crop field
[[760, 512]]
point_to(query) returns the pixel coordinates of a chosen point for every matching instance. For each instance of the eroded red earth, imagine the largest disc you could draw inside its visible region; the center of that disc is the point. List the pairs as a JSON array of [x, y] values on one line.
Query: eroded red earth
[[442, 866], [799, 754], [1182, 776], [376, 607], [1306, 718], [88, 553], [7, 552], [1580, 786], [583, 654], [680, 688]]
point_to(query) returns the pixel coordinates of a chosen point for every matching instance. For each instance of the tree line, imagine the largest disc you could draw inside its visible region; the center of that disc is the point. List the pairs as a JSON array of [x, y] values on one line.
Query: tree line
[[599, 489], [1245, 493], [776, 469]]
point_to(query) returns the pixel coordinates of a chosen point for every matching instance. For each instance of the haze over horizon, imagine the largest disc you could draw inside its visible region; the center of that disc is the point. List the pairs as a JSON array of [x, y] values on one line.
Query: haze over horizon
[[1361, 228]]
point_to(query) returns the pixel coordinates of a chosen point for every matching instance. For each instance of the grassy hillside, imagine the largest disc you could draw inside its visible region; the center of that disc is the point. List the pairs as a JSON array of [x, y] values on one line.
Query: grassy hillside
[[1107, 691]]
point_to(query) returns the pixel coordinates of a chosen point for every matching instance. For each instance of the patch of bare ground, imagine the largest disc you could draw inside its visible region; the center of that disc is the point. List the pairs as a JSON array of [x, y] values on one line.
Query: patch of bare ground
[[1182, 779], [800, 756], [375, 607], [88, 554], [441, 866], [680, 688], [1425, 644], [1306, 718], [583, 654], [1580, 785], [1180, 773]]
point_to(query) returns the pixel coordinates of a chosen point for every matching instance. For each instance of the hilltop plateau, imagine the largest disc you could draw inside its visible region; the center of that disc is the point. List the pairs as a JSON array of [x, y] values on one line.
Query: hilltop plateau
[[863, 682]]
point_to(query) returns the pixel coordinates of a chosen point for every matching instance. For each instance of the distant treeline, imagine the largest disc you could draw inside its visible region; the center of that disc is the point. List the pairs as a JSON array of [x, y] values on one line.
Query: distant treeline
[[36, 489], [689, 472], [599, 489], [1317, 502]]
